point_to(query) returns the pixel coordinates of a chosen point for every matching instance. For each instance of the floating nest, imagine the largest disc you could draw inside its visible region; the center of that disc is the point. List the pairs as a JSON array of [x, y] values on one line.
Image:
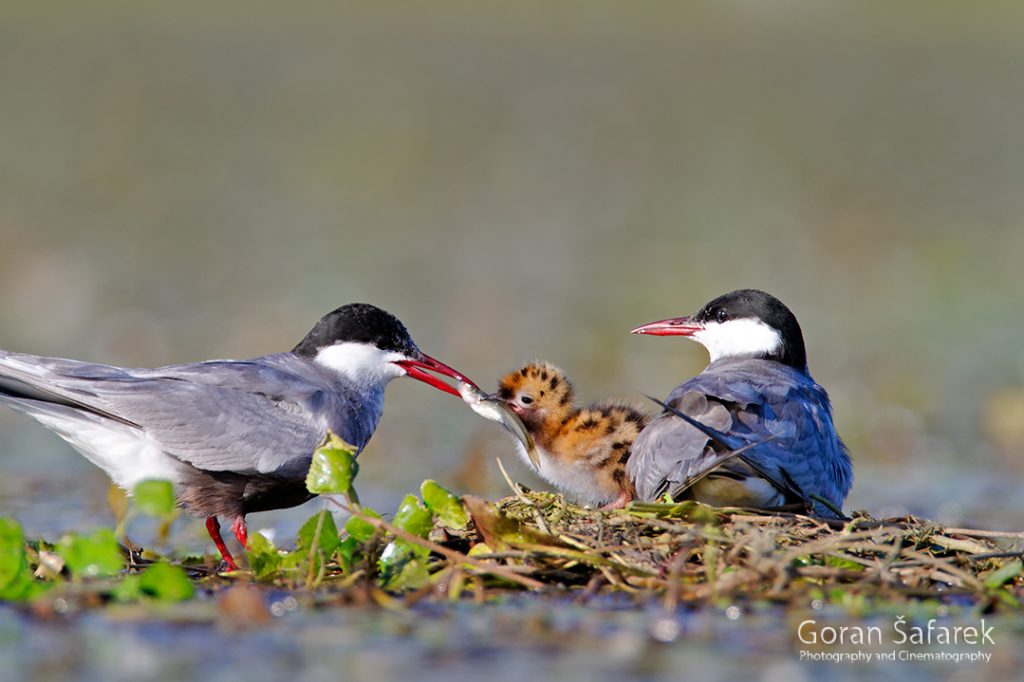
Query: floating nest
[[692, 553], [677, 554]]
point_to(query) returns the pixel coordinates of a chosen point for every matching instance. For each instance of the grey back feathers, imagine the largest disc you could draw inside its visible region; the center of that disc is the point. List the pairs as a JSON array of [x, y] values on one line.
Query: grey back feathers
[[755, 399], [262, 415]]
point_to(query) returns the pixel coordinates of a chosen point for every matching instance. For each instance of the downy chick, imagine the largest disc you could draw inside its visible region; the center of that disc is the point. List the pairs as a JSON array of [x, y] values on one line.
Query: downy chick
[[582, 451]]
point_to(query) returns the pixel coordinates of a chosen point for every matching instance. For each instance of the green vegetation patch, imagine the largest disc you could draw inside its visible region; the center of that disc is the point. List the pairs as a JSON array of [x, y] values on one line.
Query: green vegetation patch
[[441, 546]]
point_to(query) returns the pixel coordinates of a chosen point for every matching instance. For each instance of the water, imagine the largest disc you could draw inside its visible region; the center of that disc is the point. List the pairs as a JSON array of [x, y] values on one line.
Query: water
[[519, 638], [204, 180], [519, 188]]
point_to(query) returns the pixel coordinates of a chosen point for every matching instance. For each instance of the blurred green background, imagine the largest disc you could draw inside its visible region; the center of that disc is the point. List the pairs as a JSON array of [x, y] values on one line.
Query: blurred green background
[[527, 181]]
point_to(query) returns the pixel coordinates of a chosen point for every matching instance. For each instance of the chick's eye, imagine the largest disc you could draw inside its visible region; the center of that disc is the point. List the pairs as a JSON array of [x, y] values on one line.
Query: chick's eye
[[721, 315], [525, 400]]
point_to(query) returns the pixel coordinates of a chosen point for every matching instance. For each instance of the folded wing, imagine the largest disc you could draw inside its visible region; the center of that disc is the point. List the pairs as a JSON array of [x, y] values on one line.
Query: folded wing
[[264, 415], [754, 401]]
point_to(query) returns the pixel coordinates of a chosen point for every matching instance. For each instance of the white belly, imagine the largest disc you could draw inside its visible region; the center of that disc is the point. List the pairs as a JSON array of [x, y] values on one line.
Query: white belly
[[125, 454], [577, 479]]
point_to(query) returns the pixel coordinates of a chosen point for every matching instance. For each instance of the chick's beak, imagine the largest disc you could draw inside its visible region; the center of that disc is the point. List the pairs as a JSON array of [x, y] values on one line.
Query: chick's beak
[[674, 326], [414, 368]]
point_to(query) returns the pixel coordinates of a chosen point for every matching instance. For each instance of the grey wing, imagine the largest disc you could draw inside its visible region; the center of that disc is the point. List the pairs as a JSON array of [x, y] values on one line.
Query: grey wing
[[669, 451], [223, 415], [225, 429]]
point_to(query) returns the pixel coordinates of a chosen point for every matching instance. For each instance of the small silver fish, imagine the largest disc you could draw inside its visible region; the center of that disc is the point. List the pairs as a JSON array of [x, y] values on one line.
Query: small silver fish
[[489, 407]]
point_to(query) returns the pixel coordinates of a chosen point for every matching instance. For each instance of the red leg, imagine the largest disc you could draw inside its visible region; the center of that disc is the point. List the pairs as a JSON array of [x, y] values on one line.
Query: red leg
[[241, 532], [213, 528]]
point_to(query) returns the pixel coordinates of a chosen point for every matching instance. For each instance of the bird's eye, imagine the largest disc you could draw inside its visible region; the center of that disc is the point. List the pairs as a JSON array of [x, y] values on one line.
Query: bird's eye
[[525, 400], [721, 315]]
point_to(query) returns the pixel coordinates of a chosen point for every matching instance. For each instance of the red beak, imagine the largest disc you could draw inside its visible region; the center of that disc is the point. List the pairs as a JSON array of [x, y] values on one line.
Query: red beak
[[413, 369], [675, 326]]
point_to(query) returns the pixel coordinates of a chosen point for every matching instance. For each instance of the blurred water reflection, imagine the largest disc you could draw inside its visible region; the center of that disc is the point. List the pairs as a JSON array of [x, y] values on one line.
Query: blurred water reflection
[[515, 640], [187, 182]]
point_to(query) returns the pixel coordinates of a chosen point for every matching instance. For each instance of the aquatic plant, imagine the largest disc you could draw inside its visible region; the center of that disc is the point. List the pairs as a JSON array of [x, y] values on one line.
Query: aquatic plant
[[437, 545]]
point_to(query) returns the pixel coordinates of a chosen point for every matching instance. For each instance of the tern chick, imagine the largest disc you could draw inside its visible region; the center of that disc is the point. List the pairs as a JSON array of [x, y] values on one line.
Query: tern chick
[[581, 451]]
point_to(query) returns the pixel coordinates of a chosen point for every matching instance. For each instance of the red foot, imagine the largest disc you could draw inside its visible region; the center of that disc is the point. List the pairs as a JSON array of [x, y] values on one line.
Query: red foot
[[213, 528], [241, 532]]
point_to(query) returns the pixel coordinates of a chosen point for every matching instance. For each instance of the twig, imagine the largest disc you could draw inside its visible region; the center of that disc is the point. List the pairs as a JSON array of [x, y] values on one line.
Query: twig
[[996, 555], [314, 546], [524, 499], [511, 484], [946, 566], [975, 533], [956, 545]]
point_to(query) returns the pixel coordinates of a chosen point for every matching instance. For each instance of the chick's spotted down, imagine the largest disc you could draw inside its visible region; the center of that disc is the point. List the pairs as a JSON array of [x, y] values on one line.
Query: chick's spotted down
[[582, 451]]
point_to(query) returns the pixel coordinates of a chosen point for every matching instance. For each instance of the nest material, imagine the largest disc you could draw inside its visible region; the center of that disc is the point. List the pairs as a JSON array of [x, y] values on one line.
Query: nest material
[[689, 552]]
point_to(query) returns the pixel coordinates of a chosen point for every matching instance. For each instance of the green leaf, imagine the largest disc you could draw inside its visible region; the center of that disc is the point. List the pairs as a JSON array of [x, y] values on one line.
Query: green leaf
[[413, 517], [359, 532], [154, 498], [332, 470], [479, 549], [348, 553], [1009, 571], [161, 582], [15, 576], [165, 582], [127, 589], [686, 510], [327, 541], [359, 529], [403, 566], [91, 555], [444, 504], [839, 562], [836, 595], [264, 559]]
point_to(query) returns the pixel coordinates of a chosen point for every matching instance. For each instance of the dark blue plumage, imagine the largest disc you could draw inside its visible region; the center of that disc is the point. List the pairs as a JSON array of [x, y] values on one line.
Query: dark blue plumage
[[757, 389]]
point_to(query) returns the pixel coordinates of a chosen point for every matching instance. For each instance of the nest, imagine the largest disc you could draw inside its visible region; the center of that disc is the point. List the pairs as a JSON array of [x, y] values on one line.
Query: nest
[[691, 553]]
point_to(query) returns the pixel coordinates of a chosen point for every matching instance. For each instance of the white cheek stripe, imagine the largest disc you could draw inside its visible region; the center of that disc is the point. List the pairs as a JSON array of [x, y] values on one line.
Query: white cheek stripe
[[744, 337], [362, 363]]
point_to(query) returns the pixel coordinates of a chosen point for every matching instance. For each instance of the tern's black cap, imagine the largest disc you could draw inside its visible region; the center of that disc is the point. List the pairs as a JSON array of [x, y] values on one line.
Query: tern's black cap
[[759, 305], [358, 323]]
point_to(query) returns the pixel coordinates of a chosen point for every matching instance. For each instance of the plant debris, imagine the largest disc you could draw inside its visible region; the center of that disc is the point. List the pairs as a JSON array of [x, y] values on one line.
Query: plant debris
[[691, 553], [439, 546]]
